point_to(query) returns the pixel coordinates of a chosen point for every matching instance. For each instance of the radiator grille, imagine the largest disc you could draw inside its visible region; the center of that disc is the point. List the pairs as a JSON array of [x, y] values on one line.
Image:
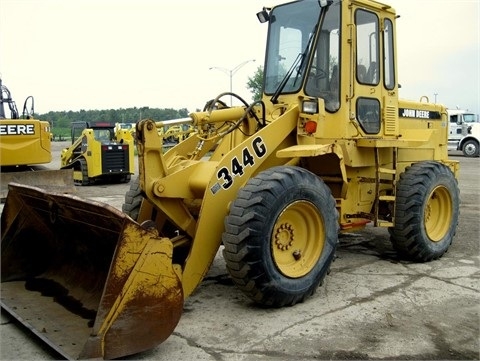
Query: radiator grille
[[115, 159]]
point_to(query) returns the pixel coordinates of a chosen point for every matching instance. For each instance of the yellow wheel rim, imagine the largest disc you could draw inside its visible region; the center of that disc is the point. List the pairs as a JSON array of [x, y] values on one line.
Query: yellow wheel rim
[[438, 213], [298, 238]]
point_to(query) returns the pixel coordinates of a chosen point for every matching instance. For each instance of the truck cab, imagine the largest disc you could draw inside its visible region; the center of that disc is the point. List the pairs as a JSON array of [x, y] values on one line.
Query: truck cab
[[464, 132]]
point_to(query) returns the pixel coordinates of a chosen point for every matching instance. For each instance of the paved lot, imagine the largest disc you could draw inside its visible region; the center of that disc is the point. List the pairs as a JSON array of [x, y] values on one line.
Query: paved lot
[[371, 306]]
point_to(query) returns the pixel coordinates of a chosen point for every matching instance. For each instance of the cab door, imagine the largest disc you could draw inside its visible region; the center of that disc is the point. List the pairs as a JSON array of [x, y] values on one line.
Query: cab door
[[375, 92]]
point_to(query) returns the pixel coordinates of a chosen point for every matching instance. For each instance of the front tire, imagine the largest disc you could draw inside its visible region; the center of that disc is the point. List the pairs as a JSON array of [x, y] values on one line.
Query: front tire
[[280, 236], [426, 212], [133, 200]]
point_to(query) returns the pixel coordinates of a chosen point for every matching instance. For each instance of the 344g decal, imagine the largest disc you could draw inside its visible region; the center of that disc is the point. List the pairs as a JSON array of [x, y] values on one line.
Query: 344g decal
[[226, 175]]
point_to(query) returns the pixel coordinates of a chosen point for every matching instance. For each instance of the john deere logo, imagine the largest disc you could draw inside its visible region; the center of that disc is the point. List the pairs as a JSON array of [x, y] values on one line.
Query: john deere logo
[[17, 129], [418, 113]]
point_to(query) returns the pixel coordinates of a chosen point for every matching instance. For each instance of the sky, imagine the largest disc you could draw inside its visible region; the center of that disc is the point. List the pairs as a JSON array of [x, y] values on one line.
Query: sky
[[109, 54]]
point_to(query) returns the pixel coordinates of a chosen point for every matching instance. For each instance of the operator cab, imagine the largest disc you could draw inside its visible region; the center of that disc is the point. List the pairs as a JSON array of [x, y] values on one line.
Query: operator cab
[[350, 75]]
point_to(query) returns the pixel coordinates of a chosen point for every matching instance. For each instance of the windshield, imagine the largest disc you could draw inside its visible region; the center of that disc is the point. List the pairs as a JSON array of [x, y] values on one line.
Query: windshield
[[469, 118], [290, 35]]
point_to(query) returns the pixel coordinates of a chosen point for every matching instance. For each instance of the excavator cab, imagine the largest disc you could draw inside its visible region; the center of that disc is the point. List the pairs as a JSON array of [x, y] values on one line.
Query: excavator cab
[[25, 146], [24, 140]]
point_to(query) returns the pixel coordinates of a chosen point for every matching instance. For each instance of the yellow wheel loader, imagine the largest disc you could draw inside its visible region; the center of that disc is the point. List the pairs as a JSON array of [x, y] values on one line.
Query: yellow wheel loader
[[100, 151], [328, 148], [25, 146]]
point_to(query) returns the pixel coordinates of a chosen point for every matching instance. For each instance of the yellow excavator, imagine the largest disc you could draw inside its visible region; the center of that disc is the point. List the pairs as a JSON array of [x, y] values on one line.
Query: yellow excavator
[[25, 147], [329, 148]]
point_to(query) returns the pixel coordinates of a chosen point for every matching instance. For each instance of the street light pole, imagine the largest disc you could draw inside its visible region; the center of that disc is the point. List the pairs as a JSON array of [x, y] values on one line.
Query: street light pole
[[231, 73]]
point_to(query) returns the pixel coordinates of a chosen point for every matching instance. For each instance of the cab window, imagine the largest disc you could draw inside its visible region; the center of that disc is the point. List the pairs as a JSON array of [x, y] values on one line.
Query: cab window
[[323, 79], [368, 72], [367, 47], [388, 70], [368, 115]]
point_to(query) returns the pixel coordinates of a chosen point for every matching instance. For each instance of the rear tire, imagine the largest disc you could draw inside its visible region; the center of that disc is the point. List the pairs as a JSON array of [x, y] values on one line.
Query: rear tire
[[280, 236], [426, 212], [470, 148]]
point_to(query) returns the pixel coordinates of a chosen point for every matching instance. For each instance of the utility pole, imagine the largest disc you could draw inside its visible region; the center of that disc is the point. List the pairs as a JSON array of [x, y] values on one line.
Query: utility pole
[[231, 73]]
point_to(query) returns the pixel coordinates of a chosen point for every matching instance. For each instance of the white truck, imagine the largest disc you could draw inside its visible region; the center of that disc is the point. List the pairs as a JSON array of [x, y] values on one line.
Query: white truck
[[464, 132]]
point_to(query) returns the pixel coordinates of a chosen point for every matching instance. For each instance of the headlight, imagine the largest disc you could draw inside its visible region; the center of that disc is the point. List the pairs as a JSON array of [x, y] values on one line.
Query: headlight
[[310, 107]]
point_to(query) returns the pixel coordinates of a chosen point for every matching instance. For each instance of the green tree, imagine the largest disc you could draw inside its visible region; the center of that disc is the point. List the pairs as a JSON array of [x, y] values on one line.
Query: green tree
[[255, 84]]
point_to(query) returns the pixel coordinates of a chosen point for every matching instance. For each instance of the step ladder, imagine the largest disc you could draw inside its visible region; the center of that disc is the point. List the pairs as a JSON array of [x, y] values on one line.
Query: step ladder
[[389, 200]]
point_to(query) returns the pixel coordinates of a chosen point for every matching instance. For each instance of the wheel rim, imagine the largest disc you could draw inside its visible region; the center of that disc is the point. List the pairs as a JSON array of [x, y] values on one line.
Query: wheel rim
[[470, 149], [438, 213], [297, 239]]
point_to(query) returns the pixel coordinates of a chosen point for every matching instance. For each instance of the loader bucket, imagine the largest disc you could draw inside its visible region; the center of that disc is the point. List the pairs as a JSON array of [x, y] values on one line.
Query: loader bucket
[[85, 277]]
